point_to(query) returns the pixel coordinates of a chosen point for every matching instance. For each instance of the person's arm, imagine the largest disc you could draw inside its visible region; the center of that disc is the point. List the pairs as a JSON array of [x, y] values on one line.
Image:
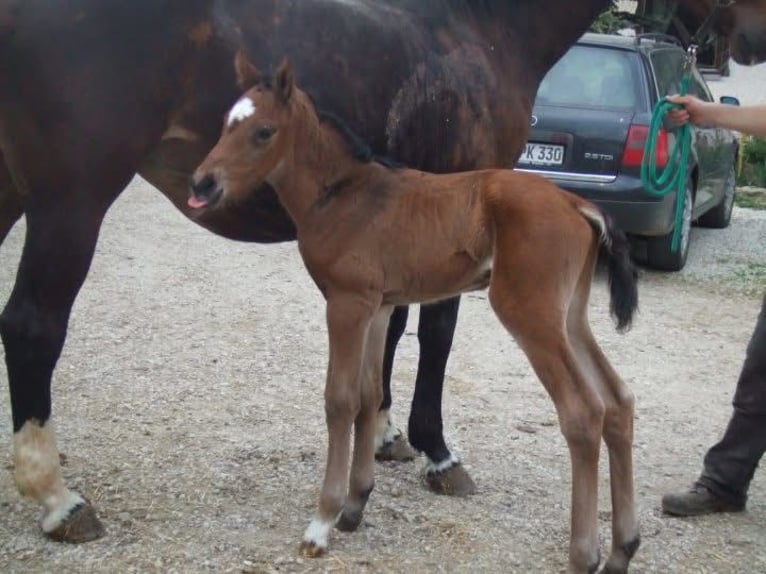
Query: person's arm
[[746, 119]]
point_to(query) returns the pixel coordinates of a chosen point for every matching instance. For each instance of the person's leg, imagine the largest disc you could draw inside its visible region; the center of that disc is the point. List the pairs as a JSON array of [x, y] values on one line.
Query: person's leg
[[730, 464]]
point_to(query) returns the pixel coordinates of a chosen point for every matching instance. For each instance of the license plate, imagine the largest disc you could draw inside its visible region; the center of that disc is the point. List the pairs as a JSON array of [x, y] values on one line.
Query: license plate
[[542, 154]]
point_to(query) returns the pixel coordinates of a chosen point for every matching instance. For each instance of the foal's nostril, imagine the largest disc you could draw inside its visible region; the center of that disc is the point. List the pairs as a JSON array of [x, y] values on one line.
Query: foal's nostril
[[204, 187]]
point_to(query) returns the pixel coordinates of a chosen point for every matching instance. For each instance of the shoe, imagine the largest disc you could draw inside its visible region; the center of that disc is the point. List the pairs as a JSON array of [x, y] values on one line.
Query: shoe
[[697, 501]]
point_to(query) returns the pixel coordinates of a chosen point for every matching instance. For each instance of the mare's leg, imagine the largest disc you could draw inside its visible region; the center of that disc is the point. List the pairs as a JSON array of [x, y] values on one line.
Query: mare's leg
[[363, 462], [57, 252], [617, 432], [390, 444], [444, 473], [437, 322], [10, 202], [348, 322], [532, 314]]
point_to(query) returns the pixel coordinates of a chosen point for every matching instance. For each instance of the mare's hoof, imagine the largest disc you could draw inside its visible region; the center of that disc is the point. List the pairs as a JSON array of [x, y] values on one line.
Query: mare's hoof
[[612, 570], [453, 481], [349, 522], [82, 525], [311, 549], [398, 450]]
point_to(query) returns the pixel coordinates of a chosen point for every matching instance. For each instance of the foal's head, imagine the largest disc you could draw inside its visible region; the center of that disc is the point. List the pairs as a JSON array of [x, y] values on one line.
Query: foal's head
[[257, 137]]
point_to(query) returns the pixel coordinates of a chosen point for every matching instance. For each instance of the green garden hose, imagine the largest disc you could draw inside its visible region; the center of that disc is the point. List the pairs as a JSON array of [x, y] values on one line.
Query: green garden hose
[[673, 176]]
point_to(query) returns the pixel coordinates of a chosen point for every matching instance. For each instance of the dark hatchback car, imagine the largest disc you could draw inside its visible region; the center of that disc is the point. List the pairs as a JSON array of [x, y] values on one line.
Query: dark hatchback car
[[589, 126]]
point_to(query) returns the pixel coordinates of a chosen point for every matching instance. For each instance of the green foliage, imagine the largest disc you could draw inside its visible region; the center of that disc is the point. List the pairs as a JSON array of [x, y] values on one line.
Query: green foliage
[[750, 199], [753, 172], [755, 150], [752, 277], [611, 21]]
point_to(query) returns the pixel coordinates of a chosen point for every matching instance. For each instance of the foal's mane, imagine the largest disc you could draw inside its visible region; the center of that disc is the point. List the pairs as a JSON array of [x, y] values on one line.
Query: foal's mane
[[359, 149]]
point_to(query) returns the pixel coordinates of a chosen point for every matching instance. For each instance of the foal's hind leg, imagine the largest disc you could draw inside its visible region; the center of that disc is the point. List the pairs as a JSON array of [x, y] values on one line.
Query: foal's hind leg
[[618, 435], [531, 314], [57, 253], [363, 462]]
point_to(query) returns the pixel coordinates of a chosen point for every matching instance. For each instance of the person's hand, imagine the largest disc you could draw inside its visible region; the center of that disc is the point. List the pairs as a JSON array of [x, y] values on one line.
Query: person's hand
[[694, 110]]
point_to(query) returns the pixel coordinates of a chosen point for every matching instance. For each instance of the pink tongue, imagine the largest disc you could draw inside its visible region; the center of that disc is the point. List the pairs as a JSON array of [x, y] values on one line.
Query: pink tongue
[[195, 203]]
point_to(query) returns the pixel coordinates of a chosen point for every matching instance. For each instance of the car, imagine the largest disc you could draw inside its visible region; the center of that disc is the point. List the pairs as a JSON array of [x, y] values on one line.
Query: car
[[589, 125]]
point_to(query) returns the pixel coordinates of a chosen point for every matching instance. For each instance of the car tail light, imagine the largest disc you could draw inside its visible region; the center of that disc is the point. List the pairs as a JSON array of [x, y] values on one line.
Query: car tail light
[[633, 154]]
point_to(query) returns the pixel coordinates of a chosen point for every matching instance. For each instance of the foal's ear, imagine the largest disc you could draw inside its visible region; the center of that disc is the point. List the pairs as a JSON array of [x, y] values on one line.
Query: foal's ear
[[284, 81], [247, 74]]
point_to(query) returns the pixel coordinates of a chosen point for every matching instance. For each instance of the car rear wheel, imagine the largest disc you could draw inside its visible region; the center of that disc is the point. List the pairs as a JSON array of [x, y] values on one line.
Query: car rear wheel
[[660, 254], [720, 216]]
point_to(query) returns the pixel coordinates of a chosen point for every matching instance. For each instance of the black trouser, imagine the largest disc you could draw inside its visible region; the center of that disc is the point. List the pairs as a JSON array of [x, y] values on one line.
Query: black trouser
[[730, 464]]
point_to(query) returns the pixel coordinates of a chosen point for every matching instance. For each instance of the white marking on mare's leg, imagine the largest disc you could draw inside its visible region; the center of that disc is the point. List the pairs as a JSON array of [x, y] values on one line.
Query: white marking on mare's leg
[[38, 473], [385, 430], [437, 467], [242, 110]]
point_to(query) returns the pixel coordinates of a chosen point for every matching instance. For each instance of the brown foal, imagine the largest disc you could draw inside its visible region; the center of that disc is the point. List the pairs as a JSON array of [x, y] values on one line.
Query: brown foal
[[373, 236]]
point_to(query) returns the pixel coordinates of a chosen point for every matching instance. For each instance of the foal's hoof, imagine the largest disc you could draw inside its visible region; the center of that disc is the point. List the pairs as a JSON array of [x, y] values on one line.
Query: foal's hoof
[[349, 521], [311, 549], [82, 525], [397, 450], [453, 481]]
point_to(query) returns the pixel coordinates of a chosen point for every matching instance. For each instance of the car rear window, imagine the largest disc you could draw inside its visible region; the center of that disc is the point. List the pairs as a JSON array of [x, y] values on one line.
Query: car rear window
[[592, 76]]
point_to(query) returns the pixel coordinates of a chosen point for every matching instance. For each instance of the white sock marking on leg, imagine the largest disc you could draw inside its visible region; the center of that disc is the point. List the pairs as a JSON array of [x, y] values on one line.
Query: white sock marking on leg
[[436, 467], [385, 429], [318, 532], [38, 473]]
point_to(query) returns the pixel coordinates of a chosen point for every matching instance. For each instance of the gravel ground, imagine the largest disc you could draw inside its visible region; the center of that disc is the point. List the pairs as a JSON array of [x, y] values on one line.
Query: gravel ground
[[189, 407]]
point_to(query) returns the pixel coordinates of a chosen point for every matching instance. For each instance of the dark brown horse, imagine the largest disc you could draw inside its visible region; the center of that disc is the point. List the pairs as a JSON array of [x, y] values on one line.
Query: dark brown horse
[[95, 91], [373, 236]]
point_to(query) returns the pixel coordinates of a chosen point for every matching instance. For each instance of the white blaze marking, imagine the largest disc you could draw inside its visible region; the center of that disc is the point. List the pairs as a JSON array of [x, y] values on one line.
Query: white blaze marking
[[243, 109], [38, 473]]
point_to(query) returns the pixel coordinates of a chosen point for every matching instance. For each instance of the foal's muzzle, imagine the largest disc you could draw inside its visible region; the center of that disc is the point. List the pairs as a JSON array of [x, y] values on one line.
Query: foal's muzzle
[[203, 192]]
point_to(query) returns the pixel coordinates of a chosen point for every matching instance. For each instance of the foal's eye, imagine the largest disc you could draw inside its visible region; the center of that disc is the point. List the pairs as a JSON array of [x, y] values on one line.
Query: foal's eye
[[263, 134]]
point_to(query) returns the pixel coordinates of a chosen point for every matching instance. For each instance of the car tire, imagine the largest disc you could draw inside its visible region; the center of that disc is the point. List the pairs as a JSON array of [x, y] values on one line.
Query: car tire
[[720, 216], [659, 252]]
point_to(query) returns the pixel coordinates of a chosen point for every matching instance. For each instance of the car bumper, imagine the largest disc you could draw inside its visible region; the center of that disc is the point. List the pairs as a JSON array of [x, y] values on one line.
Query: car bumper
[[624, 198]]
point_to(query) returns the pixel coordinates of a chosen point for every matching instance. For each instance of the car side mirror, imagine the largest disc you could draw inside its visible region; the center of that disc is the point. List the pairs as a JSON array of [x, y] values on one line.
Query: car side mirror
[[729, 100]]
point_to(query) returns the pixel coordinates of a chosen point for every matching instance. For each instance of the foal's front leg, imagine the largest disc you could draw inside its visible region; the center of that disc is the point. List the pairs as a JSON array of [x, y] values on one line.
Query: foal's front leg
[[348, 321], [363, 462]]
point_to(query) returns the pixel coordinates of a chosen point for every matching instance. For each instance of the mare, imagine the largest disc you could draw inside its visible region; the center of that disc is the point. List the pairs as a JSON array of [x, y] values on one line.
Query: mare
[[94, 92], [373, 236]]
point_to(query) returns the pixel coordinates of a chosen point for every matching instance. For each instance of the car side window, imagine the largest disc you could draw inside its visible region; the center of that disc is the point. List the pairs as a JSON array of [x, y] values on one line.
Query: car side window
[[668, 66], [698, 88]]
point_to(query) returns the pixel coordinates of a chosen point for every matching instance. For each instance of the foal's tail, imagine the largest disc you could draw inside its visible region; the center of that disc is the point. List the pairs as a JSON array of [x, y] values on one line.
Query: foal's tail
[[623, 277]]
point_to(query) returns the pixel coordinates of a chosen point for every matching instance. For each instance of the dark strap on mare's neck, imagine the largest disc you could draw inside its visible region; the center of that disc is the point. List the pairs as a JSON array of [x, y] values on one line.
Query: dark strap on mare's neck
[[702, 35]]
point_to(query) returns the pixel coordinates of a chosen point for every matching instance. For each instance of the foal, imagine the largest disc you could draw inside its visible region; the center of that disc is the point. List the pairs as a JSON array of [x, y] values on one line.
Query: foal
[[374, 236]]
